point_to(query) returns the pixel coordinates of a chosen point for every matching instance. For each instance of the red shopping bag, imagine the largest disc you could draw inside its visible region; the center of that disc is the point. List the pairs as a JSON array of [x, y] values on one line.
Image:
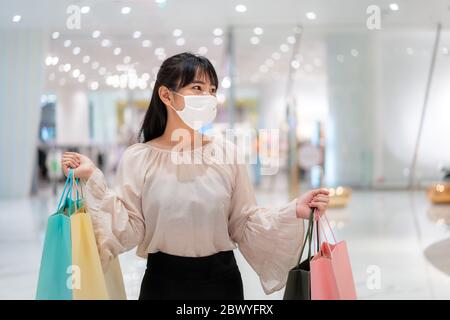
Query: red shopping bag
[[331, 272]]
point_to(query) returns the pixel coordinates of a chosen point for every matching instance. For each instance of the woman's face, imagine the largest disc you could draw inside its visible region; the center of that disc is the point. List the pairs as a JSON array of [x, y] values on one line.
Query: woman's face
[[199, 86]]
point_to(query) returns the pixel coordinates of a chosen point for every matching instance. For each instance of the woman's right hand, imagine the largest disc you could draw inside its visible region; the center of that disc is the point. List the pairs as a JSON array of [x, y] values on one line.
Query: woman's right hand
[[82, 165]]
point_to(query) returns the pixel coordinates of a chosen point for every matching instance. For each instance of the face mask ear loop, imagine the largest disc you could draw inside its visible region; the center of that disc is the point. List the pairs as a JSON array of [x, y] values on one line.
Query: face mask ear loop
[[183, 100]]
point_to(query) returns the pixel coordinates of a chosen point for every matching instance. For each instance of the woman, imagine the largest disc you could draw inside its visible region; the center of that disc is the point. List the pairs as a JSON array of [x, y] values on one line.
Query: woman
[[186, 218]]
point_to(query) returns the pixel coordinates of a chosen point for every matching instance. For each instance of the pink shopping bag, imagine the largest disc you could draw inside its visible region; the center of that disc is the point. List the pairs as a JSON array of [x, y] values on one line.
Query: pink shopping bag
[[331, 272]]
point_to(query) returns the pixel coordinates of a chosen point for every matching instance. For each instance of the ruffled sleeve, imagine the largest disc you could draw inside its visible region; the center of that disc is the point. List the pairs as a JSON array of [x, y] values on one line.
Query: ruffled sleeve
[[116, 213], [270, 239]]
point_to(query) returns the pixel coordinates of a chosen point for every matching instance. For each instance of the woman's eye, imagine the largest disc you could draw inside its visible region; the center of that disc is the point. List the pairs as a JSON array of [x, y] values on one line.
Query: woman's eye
[[197, 88]]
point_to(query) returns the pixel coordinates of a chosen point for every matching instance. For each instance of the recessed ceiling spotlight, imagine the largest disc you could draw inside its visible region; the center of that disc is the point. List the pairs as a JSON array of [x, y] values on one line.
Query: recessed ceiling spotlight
[[291, 39], [217, 32], [137, 34], [81, 78], [254, 40], [17, 18], [106, 43], [159, 51], [76, 73], [177, 32], [86, 59], [180, 42], [295, 64], [258, 31], [67, 43], [202, 50], [67, 67], [311, 15], [126, 10], [94, 85], [394, 7], [284, 48], [241, 8], [55, 35], [127, 59], [96, 34], [85, 9], [117, 51], [146, 43], [76, 51]]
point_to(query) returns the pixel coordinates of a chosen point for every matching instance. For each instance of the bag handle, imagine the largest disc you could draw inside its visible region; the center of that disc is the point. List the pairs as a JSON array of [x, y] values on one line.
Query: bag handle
[[308, 237], [65, 190]]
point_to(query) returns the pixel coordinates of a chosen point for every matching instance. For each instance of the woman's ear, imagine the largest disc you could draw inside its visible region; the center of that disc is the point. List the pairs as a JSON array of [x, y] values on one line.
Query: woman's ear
[[165, 96]]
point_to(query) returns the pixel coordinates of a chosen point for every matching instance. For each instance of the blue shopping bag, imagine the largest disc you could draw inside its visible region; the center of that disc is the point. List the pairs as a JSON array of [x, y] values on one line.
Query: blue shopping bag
[[56, 263]]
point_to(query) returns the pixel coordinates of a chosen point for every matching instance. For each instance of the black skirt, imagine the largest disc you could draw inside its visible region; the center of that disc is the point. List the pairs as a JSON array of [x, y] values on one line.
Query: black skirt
[[169, 277]]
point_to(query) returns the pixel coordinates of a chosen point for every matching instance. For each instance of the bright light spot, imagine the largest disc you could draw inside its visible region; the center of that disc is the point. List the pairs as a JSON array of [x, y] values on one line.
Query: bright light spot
[[67, 43], [17, 18], [340, 58], [55, 35], [94, 85], [86, 59], [145, 76], [146, 43], [258, 31], [177, 32], [81, 78], [96, 34], [254, 40], [354, 53], [102, 71], [106, 43], [67, 67], [85, 9], [311, 15], [159, 51], [137, 34], [127, 59], [126, 10], [117, 51], [394, 7], [284, 48], [218, 32], [290, 39], [76, 51], [295, 64], [76, 73], [241, 8], [226, 82]]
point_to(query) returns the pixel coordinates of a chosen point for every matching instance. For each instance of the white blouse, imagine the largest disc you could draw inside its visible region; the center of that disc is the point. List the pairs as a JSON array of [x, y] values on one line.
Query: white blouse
[[191, 209]]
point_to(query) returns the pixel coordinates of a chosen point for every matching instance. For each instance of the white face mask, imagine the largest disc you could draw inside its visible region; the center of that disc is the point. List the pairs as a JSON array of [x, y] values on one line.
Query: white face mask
[[199, 110]]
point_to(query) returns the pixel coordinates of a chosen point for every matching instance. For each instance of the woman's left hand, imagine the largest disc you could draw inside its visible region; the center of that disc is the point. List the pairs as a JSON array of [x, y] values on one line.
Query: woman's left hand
[[316, 198]]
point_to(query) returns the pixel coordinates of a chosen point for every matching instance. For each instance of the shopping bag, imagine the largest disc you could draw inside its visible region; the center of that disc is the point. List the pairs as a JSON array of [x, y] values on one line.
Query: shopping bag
[[298, 283], [331, 272], [56, 261], [87, 274], [114, 281]]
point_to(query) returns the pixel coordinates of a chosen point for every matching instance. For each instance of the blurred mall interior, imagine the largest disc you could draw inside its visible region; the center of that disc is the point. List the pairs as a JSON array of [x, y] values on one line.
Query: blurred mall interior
[[358, 90]]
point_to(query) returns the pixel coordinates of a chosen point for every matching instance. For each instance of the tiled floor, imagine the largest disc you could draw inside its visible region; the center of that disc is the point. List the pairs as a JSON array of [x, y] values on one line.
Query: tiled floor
[[398, 243]]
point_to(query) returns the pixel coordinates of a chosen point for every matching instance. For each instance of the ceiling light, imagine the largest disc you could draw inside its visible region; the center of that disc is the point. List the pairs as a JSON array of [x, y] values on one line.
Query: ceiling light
[[217, 32], [258, 31], [240, 8], [106, 43], [17, 18], [159, 51], [202, 50], [254, 40], [102, 71], [394, 7], [94, 85], [67, 67], [81, 78], [284, 47], [218, 41], [295, 64], [76, 51], [85, 9], [96, 34], [291, 39], [95, 65], [86, 59], [180, 42], [67, 43], [117, 51], [354, 52], [146, 43], [160, 1], [126, 10], [177, 32], [137, 34], [55, 35], [311, 15], [226, 82], [76, 73], [127, 59], [145, 76]]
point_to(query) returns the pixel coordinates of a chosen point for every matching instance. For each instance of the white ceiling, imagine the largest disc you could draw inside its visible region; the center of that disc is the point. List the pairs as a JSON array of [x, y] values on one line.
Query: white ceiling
[[197, 19]]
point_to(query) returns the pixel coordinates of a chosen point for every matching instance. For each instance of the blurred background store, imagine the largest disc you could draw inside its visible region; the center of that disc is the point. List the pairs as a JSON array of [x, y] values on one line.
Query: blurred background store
[[357, 89]]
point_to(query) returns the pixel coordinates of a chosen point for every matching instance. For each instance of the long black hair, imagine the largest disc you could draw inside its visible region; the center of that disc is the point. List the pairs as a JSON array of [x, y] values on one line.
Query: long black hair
[[175, 73]]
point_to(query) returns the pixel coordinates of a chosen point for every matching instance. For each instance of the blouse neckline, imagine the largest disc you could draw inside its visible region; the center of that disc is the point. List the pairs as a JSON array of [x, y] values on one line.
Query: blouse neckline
[[180, 151]]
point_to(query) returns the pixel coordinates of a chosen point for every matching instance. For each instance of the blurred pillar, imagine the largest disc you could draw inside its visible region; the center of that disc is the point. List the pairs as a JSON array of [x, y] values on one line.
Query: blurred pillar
[[350, 127], [72, 117], [231, 72], [21, 82]]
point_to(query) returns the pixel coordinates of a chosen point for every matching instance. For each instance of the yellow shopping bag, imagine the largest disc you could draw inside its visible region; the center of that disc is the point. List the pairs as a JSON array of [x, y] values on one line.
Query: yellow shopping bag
[[88, 280]]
